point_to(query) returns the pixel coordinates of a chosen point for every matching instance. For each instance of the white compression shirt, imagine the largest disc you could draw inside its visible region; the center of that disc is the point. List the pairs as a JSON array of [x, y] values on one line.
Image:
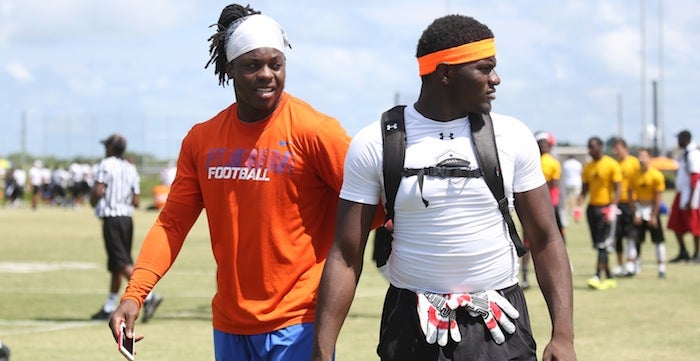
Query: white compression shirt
[[459, 242], [688, 164]]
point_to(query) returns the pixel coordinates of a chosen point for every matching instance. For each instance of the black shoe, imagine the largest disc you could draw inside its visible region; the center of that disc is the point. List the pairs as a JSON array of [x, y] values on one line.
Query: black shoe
[[680, 258], [149, 307], [101, 315]]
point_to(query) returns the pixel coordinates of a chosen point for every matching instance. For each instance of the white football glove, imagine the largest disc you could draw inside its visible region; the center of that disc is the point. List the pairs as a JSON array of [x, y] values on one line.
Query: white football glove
[[492, 307], [436, 319]]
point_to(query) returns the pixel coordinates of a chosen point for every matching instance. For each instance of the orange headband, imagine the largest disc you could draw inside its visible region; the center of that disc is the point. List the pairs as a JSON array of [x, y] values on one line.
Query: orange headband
[[458, 55]]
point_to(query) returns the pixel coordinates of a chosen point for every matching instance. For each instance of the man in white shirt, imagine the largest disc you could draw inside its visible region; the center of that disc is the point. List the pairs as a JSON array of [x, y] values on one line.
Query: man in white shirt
[[571, 170], [453, 267], [685, 212], [36, 179]]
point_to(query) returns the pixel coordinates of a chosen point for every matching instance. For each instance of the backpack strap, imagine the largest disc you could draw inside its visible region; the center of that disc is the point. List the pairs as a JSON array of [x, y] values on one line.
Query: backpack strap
[[394, 144], [394, 148], [485, 144]]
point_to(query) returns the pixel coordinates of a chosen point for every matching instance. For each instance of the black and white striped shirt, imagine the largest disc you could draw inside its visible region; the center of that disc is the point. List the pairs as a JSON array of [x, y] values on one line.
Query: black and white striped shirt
[[122, 182]]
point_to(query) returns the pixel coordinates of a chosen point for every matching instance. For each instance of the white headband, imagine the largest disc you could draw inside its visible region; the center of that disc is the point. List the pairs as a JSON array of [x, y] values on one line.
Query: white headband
[[254, 32]]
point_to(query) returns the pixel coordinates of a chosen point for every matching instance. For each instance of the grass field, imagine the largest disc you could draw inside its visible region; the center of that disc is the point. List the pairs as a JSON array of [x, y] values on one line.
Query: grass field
[[53, 278]]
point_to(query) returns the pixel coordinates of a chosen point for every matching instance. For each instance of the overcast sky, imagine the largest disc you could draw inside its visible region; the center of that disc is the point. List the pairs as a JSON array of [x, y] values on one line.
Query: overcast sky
[[78, 70]]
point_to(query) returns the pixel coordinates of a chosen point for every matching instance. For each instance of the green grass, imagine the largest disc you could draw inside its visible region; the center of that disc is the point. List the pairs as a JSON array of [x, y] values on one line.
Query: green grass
[[44, 312]]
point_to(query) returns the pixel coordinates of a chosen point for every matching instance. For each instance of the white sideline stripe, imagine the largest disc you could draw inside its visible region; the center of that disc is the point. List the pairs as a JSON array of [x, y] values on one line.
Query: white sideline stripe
[[34, 267], [69, 291], [43, 326]]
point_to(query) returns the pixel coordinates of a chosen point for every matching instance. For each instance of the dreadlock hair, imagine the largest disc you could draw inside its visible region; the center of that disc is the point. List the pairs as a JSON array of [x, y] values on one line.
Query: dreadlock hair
[[217, 48], [451, 31]]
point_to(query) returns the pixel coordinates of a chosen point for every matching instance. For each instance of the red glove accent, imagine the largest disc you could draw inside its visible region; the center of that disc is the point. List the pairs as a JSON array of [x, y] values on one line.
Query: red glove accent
[[554, 194]]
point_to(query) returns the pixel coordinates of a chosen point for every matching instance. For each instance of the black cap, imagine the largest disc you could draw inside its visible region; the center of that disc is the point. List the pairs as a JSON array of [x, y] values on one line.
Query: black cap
[[116, 141]]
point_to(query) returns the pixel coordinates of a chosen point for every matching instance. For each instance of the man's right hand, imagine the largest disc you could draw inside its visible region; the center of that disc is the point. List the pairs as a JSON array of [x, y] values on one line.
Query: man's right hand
[[127, 312]]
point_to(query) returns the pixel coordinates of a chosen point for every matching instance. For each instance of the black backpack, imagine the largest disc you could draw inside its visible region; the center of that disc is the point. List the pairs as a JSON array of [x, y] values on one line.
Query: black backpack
[[394, 148]]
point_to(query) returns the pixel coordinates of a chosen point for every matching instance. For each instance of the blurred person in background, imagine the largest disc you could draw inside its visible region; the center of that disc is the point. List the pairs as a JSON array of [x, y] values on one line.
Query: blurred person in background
[[551, 168], [115, 195], [601, 179], [36, 181], [571, 170], [161, 191], [648, 184], [15, 182], [59, 183], [685, 211], [625, 237], [80, 179]]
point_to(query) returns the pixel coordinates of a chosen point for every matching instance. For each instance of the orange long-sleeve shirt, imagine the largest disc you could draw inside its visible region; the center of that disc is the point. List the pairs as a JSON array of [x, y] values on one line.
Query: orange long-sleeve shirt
[[270, 190]]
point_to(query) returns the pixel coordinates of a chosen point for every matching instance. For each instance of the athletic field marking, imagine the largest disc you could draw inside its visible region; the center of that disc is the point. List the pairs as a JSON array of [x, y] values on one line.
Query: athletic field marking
[[35, 267], [34, 326]]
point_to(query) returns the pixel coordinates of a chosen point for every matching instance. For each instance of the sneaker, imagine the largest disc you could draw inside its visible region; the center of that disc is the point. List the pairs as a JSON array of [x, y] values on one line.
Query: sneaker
[[101, 315], [150, 306], [594, 283], [662, 274], [609, 283], [680, 258], [617, 271], [525, 285], [628, 273]]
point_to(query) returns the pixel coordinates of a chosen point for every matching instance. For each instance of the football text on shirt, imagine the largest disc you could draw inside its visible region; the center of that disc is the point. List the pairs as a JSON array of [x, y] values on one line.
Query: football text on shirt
[[248, 164]]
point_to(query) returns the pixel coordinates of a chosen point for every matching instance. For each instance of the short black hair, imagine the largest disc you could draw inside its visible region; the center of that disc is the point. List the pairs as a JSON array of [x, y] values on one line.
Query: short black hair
[[620, 141], [217, 48], [116, 142], [595, 140], [450, 31], [684, 135]]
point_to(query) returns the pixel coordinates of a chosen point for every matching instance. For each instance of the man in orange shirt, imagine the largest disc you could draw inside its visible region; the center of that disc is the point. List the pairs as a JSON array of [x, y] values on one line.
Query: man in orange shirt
[[601, 178], [268, 170]]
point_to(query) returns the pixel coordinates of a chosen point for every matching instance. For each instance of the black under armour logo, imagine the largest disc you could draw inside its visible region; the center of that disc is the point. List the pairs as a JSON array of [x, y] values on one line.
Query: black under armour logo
[[451, 136]]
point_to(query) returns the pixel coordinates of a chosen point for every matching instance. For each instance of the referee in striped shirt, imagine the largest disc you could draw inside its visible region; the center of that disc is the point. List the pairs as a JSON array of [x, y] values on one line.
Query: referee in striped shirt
[[114, 196]]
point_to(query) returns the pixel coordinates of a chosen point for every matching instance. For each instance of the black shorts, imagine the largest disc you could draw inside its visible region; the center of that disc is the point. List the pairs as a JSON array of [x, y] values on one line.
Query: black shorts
[[118, 233], [401, 338], [657, 234], [625, 226], [600, 229]]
